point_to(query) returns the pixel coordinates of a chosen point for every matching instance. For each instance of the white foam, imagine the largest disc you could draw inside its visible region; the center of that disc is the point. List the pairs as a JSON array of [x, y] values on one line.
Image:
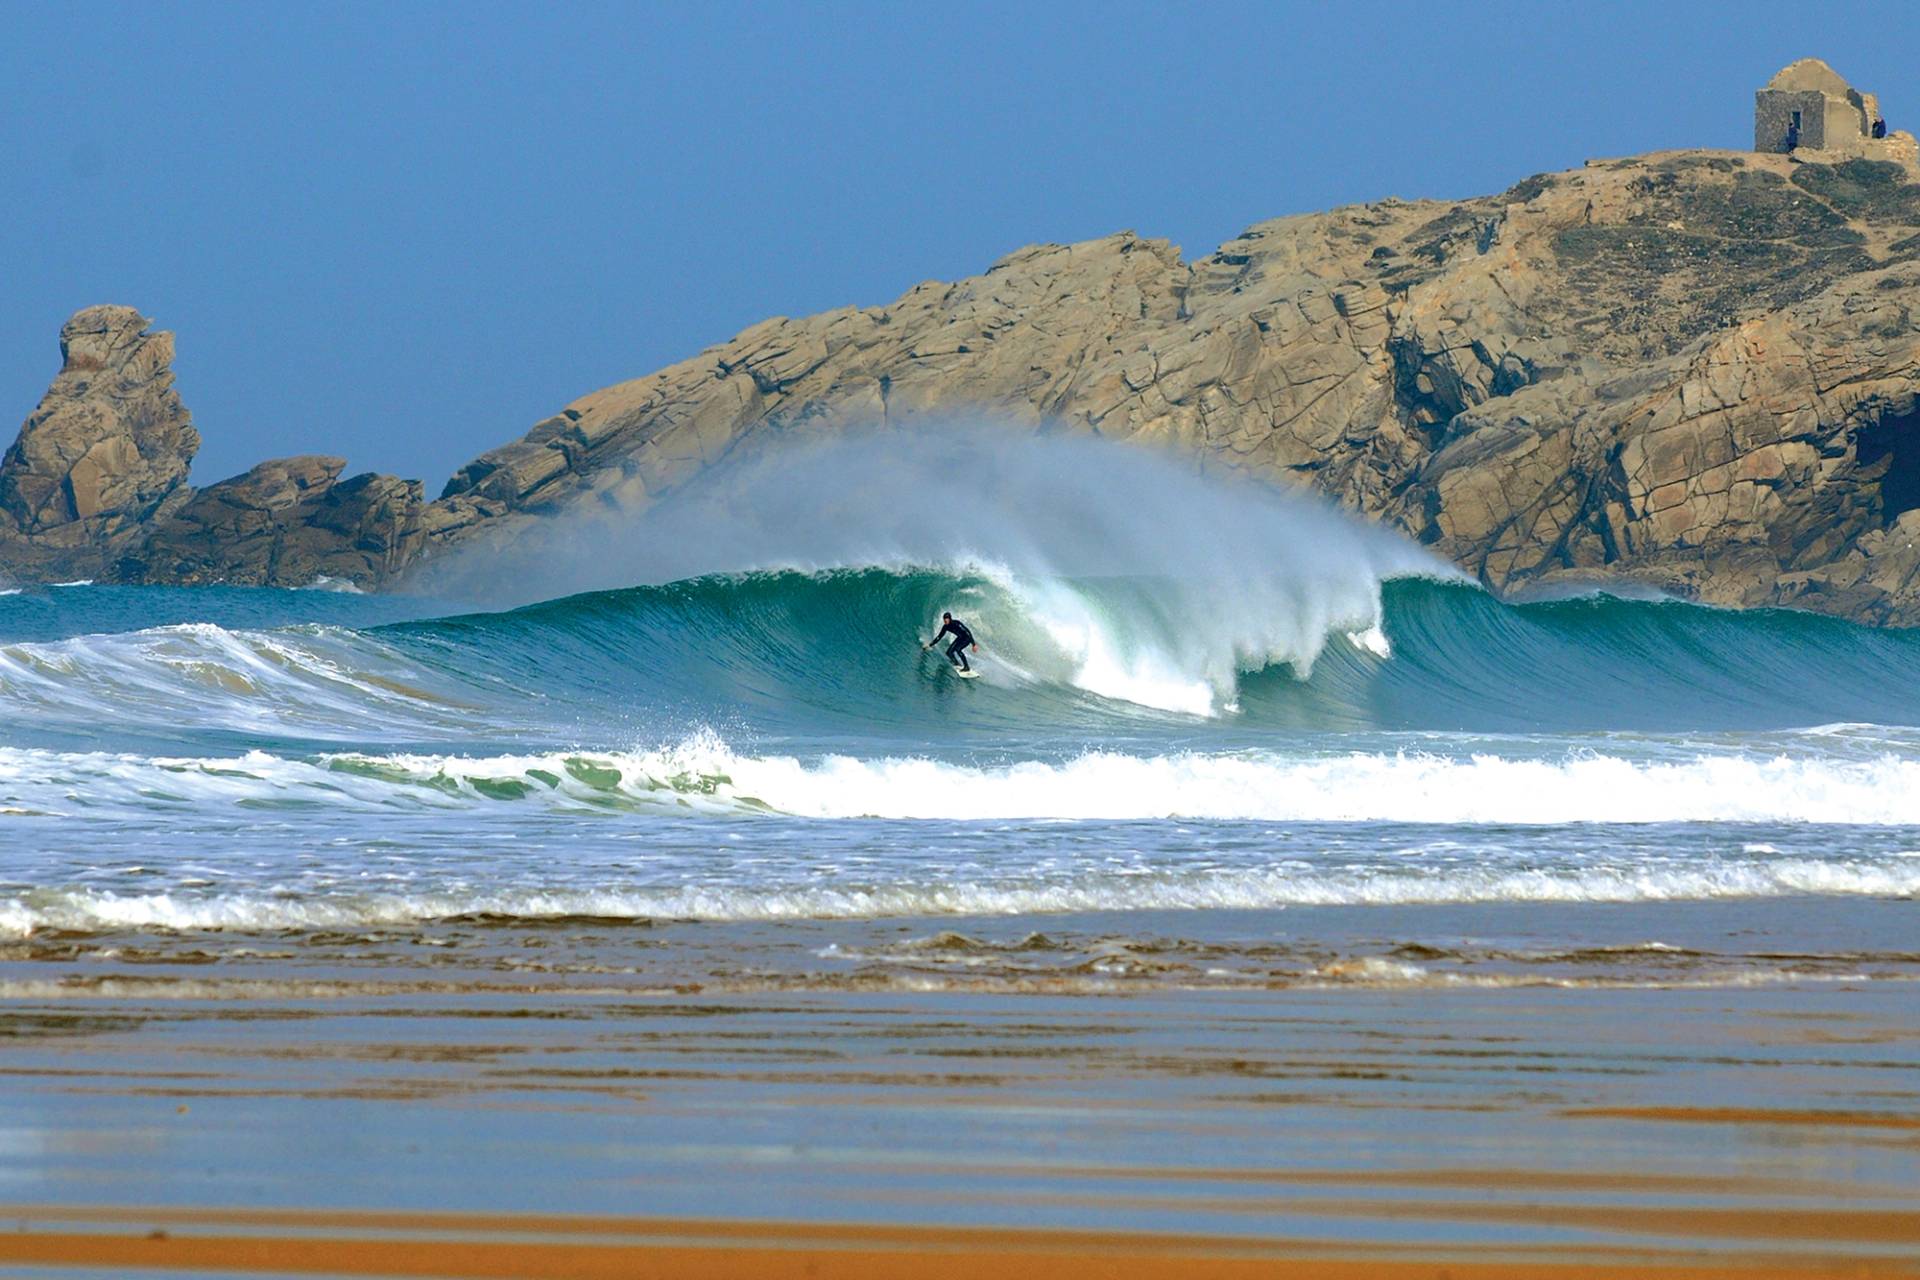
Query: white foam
[[1373, 640], [1133, 575], [326, 681], [702, 774], [1107, 661], [1349, 788], [1249, 888], [1378, 970], [1180, 645]]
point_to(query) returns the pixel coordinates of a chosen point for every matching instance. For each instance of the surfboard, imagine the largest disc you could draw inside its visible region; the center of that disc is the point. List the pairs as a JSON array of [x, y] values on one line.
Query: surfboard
[[964, 675]]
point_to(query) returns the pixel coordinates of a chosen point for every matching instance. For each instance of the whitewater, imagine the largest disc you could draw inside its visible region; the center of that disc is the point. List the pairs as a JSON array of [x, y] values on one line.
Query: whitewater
[[1203, 703]]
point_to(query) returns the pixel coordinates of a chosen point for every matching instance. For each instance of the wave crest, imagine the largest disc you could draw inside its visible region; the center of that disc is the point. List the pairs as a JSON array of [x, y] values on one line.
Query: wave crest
[[95, 911]]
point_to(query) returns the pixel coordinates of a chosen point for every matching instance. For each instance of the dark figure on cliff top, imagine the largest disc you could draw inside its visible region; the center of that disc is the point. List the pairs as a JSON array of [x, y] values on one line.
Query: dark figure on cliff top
[[962, 640]]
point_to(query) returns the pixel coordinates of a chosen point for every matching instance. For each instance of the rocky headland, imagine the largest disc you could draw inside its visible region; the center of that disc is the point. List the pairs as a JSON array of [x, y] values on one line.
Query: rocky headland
[[1691, 370]]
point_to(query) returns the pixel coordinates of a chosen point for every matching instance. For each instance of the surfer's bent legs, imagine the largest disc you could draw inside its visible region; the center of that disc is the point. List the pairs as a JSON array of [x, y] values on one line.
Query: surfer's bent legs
[[957, 654]]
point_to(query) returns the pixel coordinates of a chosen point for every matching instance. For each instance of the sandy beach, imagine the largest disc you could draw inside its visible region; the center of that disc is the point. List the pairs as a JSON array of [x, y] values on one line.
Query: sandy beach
[[970, 642], [275, 1120], [588, 1249]]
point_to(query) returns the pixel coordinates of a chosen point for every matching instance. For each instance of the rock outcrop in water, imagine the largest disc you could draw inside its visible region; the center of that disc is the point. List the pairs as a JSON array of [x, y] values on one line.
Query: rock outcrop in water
[[106, 453], [96, 485], [291, 521], [1690, 370]]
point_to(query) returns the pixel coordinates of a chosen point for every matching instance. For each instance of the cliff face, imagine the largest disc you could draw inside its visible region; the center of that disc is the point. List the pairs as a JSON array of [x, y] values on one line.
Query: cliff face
[[1693, 370]]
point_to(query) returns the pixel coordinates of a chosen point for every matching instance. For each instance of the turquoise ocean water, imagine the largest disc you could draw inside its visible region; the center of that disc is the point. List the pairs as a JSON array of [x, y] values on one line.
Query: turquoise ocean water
[[1437, 787]]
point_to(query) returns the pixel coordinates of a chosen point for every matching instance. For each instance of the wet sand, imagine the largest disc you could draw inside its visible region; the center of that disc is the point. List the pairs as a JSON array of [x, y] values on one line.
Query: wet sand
[[269, 1117], [446, 1245]]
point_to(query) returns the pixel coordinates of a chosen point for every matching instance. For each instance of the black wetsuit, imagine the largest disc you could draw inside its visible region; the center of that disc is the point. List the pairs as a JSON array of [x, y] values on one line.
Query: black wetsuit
[[956, 652]]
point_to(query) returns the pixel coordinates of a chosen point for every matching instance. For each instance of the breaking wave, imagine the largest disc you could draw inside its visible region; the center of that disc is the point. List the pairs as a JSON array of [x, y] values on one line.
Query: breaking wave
[[1194, 695], [806, 654], [1114, 592], [703, 774], [95, 910]]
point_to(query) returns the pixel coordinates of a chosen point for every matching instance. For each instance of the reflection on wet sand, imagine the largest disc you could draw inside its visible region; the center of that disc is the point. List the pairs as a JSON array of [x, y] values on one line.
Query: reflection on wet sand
[[1552, 1130], [526, 1247]]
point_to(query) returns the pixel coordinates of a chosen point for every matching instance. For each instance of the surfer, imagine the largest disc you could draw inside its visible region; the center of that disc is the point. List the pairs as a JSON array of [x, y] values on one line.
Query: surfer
[[962, 641]]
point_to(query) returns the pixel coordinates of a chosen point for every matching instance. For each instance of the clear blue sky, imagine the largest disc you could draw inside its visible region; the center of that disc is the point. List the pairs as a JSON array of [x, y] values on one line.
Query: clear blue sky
[[406, 232]]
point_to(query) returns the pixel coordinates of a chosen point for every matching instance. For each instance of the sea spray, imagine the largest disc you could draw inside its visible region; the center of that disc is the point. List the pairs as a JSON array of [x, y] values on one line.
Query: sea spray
[[1244, 575]]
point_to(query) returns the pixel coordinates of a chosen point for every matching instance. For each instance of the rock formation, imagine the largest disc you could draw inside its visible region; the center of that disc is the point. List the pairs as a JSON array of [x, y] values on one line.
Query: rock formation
[[1693, 370], [107, 450], [291, 522], [96, 485]]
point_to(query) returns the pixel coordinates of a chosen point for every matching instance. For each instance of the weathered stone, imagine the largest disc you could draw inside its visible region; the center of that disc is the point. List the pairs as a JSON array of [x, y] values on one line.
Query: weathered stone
[[1808, 108], [110, 444], [1531, 387], [96, 485], [288, 522], [1696, 370]]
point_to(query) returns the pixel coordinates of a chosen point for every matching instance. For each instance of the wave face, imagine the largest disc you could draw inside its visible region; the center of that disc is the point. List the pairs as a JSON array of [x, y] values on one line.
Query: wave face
[[828, 656], [1412, 654], [1194, 697]]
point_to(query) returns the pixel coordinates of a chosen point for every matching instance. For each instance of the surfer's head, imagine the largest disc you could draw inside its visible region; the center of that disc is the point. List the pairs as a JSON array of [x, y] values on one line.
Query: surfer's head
[[946, 617]]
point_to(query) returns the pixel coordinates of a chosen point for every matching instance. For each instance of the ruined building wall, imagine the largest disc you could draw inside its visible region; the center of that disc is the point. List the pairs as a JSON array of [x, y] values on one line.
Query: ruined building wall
[[1846, 123], [1773, 115]]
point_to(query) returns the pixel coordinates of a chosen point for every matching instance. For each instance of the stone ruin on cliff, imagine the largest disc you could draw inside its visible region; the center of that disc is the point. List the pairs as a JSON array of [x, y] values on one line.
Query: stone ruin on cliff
[[1807, 107]]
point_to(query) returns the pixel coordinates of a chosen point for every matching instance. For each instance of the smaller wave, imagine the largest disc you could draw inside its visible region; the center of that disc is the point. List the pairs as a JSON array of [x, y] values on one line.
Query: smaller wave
[[94, 911], [327, 682], [702, 774]]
